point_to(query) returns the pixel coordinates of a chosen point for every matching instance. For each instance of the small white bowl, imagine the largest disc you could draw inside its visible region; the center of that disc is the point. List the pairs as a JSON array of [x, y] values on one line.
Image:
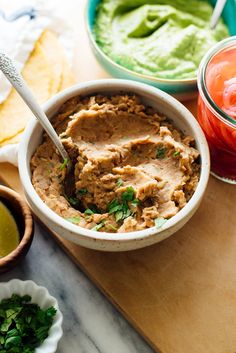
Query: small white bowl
[[163, 103], [41, 297]]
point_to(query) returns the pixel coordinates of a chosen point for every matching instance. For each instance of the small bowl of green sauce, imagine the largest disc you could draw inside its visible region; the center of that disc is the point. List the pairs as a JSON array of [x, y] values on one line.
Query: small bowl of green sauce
[[160, 43], [16, 228]]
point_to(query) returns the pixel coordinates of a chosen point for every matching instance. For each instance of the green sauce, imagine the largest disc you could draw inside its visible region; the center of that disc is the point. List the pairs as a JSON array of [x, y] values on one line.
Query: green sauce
[[160, 38], [9, 233]]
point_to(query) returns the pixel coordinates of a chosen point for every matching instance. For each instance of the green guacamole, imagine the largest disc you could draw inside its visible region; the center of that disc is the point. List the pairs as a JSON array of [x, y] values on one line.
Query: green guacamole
[[160, 38]]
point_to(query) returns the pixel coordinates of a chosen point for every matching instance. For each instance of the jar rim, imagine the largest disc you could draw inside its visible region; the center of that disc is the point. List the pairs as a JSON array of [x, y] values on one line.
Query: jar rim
[[201, 78]]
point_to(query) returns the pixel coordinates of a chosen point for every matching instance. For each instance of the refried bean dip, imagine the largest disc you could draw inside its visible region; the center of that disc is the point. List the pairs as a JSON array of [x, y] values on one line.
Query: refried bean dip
[[133, 168]]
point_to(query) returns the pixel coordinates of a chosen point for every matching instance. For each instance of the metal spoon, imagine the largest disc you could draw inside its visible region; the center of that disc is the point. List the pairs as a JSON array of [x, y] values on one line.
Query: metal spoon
[[219, 6], [17, 81]]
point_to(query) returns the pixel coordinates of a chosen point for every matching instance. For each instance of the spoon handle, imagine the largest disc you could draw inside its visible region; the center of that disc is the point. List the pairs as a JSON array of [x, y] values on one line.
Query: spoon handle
[[17, 81], [219, 6]]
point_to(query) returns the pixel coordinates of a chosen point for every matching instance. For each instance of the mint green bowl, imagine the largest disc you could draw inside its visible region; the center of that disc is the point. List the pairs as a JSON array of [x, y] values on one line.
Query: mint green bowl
[[182, 89]]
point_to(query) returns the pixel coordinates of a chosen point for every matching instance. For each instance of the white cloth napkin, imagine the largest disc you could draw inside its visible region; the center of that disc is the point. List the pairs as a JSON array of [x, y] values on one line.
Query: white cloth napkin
[[17, 39]]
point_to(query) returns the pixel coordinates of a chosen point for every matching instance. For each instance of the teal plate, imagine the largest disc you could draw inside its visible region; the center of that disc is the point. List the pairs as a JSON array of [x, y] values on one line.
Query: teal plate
[[181, 89]]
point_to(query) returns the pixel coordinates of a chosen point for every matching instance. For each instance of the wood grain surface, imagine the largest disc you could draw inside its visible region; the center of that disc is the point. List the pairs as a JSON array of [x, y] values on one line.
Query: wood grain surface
[[179, 294], [24, 220]]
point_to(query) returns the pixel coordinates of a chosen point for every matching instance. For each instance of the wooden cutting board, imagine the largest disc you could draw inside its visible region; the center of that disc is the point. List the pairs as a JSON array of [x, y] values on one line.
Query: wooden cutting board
[[179, 294]]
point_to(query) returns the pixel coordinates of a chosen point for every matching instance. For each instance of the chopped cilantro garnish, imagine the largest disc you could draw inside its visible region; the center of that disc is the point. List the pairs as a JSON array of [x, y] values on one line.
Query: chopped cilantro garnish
[[93, 209], [23, 325], [128, 195], [98, 226], [114, 206], [73, 201], [126, 213], [73, 219], [160, 221], [161, 152], [120, 209], [119, 182], [135, 202], [88, 211], [176, 153], [81, 192], [64, 164], [119, 215], [110, 226]]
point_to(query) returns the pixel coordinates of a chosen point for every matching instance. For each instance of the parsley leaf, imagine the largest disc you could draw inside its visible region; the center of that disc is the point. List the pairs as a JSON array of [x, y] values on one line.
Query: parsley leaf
[[27, 324], [72, 200], [88, 211], [160, 221], [119, 182], [64, 164], [120, 209], [110, 226], [161, 152], [114, 206], [126, 213], [119, 216], [73, 219], [176, 153], [81, 192], [135, 202], [93, 209], [128, 195], [98, 226]]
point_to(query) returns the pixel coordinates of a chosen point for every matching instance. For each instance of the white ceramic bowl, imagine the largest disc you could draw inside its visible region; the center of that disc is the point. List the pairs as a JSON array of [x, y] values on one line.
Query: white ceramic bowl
[[41, 297], [165, 104]]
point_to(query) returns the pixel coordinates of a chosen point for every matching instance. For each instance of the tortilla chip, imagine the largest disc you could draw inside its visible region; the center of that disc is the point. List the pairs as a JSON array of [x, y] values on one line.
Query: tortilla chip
[[55, 54], [46, 72], [63, 77], [12, 140], [67, 79], [14, 114]]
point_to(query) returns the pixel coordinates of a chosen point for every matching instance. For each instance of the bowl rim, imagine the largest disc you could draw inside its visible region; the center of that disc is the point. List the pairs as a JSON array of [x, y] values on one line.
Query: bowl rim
[[27, 237], [175, 82], [51, 342], [128, 86]]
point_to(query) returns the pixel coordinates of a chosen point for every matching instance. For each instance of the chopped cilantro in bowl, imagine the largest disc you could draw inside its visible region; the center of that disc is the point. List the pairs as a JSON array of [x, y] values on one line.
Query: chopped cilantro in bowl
[[161, 152], [120, 208], [30, 320]]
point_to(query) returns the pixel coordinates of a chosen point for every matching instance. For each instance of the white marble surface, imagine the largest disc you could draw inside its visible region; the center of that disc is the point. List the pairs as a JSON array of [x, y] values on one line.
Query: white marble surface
[[91, 324]]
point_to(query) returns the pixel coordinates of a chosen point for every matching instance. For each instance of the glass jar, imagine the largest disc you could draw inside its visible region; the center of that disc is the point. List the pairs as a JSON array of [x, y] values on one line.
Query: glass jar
[[217, 107]]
